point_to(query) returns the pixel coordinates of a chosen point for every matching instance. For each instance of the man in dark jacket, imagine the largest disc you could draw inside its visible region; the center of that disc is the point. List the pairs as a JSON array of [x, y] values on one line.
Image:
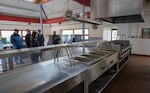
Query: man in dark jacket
[[17, 43], [40, 38], [28, 38], [55, 38]]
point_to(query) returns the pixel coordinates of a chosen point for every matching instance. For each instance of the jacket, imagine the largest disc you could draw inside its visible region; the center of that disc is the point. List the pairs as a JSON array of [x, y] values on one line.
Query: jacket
[[41, 39], [56, 39], [28, 40], [34, 43], [16, 41]]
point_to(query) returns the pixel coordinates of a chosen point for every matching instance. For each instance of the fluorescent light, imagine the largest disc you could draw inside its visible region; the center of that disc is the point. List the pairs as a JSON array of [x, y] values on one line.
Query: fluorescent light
[[38, 1]]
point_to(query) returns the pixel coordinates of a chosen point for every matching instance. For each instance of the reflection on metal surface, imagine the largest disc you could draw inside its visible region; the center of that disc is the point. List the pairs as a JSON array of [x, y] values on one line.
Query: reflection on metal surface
[[94, 56], [47, 77], [41, 77]]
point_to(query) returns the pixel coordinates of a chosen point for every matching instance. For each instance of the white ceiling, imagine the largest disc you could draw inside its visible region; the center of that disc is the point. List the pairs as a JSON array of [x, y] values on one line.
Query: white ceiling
[[56, 8], [53, 9]]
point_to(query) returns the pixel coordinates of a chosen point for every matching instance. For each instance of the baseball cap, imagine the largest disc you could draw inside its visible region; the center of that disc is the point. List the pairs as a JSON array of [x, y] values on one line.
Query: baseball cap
[[28, 30], [16, 29], [39, 30]]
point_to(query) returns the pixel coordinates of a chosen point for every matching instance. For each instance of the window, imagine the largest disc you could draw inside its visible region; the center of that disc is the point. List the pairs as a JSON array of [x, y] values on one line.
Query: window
[[79, 32], [24, 33], [67, 32], [114, 34], [76, 32], [6, 35], [86, 37], [146, 33]]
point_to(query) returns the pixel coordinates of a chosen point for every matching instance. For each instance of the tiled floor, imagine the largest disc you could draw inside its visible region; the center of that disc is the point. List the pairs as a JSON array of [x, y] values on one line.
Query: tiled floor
[[134, 77]]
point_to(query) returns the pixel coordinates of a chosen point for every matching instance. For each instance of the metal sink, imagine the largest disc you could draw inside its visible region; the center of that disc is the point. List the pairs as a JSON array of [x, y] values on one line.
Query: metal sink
[[98, 53], [83, 59], [91, 55]]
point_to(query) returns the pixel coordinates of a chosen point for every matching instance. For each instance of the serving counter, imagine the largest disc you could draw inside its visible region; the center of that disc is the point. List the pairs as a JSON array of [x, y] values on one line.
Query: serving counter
[[89, 73]]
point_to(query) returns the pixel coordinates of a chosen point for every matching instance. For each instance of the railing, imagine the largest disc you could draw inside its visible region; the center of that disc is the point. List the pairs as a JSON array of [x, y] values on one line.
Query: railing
[[7, 55]]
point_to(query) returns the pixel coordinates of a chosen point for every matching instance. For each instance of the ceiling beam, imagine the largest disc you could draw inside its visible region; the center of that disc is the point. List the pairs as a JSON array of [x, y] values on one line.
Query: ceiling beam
[[31, 20], [55, 20]]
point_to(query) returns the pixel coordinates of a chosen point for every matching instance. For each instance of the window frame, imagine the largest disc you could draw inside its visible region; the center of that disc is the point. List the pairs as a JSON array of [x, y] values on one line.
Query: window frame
[[78, 34], [114, 37], [20, 33], [142, 33]]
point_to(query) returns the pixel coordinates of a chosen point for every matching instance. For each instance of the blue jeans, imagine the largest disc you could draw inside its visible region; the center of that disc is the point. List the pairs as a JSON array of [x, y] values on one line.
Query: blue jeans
[[34, 58], [17, 59], [4, 64]]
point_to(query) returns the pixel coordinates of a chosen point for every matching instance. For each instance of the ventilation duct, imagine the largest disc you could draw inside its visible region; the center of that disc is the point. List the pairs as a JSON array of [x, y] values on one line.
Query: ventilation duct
[[117, 11]]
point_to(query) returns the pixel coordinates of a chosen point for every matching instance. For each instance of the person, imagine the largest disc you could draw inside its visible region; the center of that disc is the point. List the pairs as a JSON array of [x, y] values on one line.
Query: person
[[34, 43], [40, 38], [73, 39], [3, 60], [17, 43], [55, 38], [28, 38], [41, 42]]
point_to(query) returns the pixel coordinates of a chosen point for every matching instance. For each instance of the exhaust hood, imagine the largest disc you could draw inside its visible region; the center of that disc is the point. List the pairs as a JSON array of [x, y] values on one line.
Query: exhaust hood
[[117, 11], [76, 17]]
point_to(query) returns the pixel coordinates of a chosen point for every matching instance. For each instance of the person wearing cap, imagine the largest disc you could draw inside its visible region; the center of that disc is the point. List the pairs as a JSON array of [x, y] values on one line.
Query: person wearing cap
[[17, 43], [34, 43], [41, 40], [28, 38], [55, 38]]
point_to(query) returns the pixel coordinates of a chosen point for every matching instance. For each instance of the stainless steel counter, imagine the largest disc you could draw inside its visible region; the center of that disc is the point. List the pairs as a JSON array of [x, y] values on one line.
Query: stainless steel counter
[[62, 76], [48, 77], [38, 78]]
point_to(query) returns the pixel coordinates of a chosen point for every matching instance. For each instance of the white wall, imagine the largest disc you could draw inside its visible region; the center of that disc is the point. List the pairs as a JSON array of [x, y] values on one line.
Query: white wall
[[140, 46], [107, 33], [96, 32], [107, 28], [133, 33]]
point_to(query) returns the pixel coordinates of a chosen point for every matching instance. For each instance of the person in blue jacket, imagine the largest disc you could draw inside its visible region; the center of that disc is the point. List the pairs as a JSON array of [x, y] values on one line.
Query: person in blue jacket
[[17, 43]]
